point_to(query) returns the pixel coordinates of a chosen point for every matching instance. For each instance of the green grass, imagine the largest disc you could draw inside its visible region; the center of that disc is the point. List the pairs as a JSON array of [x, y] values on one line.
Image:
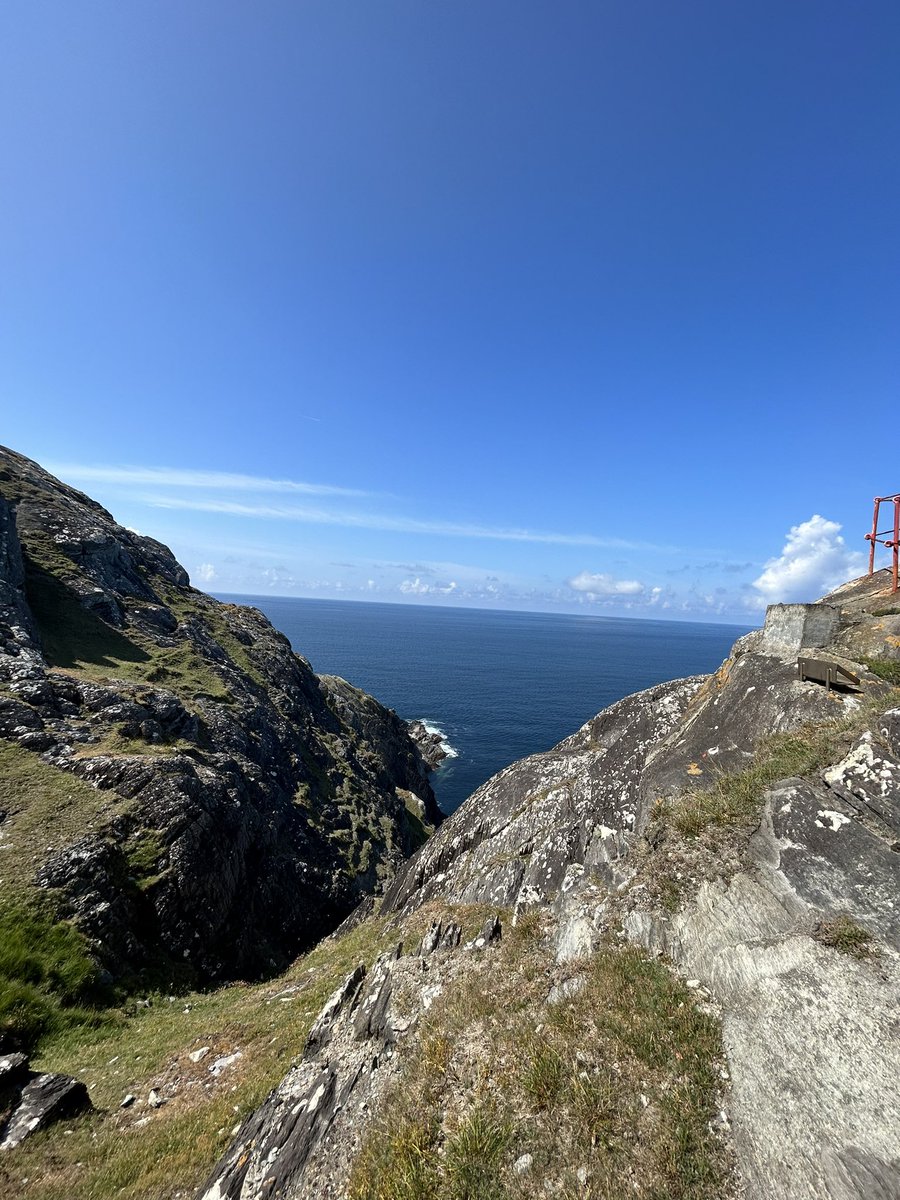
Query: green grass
[[103, 1156], [417, 831], [474, 1154], [143, 850], [885, 668], [735, 798], [116, 743], [620, 1080], [75, 639], [48, 980], [845, 935], [47, 808], [187, 603]]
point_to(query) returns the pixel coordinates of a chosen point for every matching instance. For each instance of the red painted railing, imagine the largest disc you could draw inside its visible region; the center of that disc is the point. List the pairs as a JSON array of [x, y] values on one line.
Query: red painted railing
[[878, 536]]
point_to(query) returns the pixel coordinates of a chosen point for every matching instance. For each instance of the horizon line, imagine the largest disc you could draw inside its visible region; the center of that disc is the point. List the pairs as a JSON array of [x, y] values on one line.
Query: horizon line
[[550, 612]]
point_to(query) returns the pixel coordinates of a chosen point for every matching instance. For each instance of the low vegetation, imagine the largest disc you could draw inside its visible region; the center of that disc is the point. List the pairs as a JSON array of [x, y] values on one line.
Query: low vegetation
[[45, 808], [609, 1092], [49, 983], [844, 934], [75, 639], [143, 1154], [885, 668], [735, 798]]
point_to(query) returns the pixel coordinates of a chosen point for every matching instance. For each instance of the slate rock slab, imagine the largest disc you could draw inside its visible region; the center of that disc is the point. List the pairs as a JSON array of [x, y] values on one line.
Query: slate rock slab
[[45, 1099]]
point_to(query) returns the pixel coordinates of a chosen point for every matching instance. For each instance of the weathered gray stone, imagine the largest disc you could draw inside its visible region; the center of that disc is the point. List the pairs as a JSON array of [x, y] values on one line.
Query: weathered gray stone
[[44, 1099], [431, 940], [491, 931], [370, 1016], [320, 1034], [12, 1068]]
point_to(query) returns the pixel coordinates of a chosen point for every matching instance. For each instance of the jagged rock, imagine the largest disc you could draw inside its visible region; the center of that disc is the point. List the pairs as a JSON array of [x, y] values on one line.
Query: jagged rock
[[370, 1020], [320, 1034], [451, 936], [301, 1142], [44, 1099], [431, 940], [12, 1066], [491, 931], [228, 765], [515, 838], [431, 744]]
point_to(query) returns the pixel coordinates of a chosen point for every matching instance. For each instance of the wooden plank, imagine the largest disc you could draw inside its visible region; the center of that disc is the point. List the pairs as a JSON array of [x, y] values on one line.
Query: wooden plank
[[821, 671]]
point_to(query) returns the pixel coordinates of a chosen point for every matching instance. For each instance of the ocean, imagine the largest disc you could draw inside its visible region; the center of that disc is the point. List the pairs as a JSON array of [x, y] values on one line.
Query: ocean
[[497, 685]]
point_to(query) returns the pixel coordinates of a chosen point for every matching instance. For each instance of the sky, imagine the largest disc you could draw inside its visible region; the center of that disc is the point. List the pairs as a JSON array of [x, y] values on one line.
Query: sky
[[577, 306]]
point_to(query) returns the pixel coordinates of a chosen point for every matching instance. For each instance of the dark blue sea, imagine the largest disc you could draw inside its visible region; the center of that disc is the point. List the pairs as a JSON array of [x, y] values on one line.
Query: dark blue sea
[[498, 685]]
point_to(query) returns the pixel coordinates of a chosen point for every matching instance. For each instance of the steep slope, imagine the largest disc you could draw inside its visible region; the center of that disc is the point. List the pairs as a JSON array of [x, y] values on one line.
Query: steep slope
[[741, 828], [174, 777]]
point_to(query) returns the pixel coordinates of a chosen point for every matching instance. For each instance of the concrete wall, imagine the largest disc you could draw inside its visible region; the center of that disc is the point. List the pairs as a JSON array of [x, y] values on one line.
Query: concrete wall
[[790, 628]]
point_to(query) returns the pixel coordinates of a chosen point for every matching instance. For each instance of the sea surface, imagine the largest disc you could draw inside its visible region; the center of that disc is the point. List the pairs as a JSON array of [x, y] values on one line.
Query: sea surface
[[497, 685]]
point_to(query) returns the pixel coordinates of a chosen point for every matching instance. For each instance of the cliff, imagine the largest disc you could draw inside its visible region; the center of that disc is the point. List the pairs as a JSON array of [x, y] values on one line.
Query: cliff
[[687, 980], [660, 960], [175, 780]]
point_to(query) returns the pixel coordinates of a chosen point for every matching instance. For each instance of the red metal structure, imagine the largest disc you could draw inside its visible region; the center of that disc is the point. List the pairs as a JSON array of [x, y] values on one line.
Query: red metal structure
[[876, 536]]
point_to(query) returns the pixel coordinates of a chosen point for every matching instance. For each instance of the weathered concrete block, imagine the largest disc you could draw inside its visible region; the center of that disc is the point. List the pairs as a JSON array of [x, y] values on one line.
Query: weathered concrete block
[[790, 628]]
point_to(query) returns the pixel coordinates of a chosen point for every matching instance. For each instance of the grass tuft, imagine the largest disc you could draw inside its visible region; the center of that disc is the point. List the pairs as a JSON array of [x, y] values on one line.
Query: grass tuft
[[473, 1156], [885, 668], [845, 935], [48, 980]]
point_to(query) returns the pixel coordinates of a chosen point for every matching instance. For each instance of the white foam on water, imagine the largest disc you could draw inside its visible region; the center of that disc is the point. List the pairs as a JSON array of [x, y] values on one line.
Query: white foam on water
[[430, 727]]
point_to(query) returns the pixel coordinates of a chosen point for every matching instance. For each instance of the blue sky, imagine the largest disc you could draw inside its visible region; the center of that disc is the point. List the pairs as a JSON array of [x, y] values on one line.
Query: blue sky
[[580, 306]]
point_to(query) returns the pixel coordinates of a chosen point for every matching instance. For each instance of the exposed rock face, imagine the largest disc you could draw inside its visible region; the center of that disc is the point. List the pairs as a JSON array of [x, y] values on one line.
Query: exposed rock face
[[248, 804], [787, 921], [430, 743], [542, 823], [303, 1139], [35, 1101]]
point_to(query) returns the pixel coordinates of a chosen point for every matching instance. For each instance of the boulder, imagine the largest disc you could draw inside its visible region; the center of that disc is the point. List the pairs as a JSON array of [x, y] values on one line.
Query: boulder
[[44, 1099]]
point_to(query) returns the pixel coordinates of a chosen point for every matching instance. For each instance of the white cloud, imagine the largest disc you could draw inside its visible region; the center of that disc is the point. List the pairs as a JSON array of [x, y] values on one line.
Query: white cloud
[[206, 572], [279, 576], [188, 478], [415, 587], [605, 585], [390, 524], [814, 560]]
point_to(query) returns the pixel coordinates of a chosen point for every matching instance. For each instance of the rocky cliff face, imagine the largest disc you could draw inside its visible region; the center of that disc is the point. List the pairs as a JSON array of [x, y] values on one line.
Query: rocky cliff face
[[742, 828], [178, 780]]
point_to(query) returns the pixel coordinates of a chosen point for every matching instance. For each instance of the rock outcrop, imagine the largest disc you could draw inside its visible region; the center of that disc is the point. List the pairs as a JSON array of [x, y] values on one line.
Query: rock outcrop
[[430, 743], [664, 823], [189, 791], [33, 1100]]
